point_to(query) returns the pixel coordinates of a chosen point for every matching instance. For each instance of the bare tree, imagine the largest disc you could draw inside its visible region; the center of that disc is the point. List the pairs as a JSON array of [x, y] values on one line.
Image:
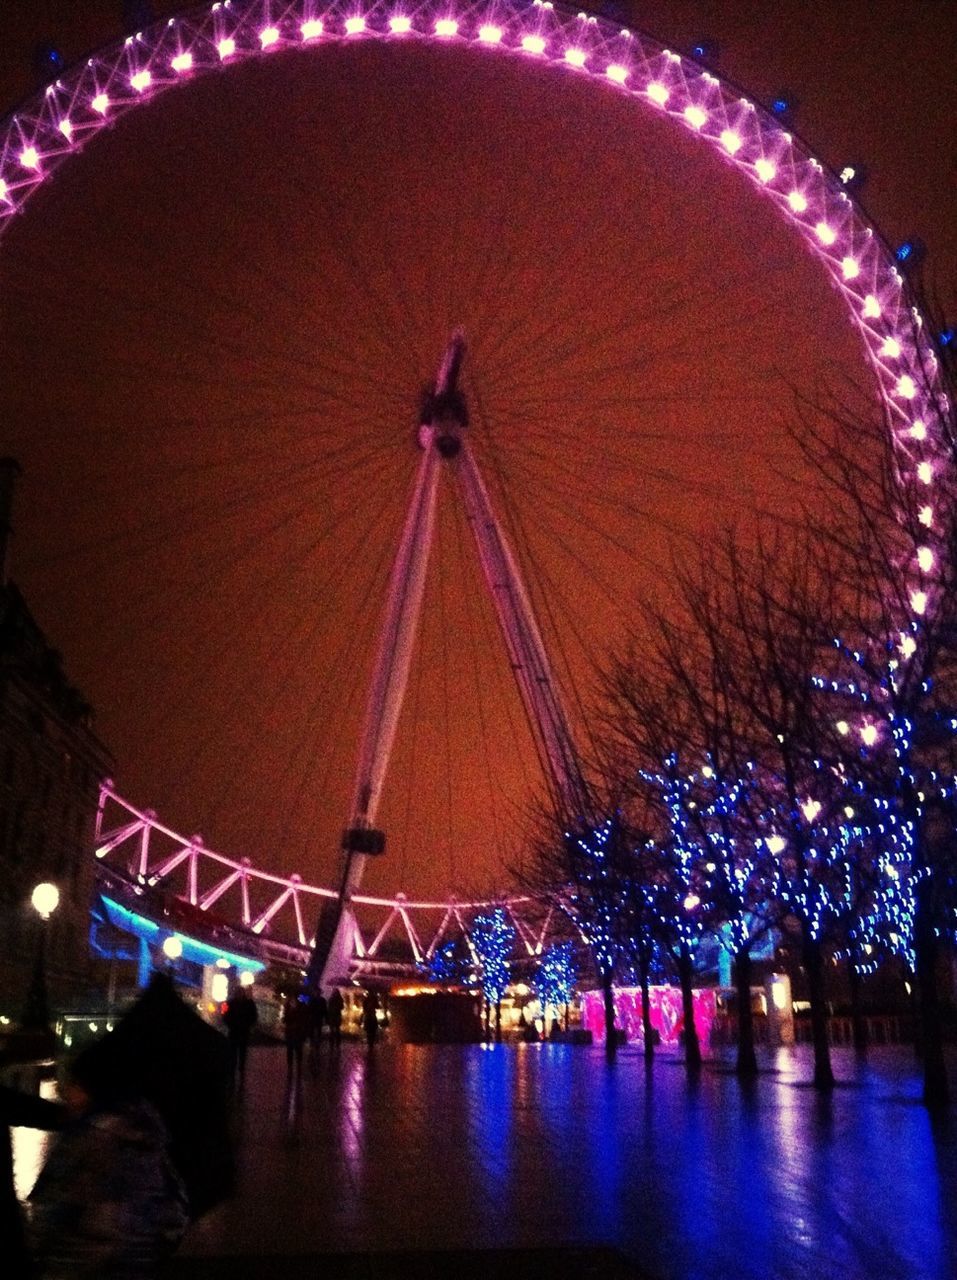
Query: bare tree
[[890, 524]]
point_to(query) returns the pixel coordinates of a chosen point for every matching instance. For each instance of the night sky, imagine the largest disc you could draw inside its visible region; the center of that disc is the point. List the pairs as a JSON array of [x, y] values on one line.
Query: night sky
[[217, 322]]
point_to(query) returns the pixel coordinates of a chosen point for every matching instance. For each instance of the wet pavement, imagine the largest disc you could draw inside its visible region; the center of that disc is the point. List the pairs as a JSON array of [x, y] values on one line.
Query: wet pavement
[[541, 1160]]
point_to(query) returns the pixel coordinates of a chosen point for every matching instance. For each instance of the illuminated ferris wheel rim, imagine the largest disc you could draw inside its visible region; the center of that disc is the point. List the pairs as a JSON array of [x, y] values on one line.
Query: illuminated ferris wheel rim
[[58, 123]]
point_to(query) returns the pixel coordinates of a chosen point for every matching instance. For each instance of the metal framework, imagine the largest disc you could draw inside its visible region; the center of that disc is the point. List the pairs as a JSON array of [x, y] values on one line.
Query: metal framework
[[443, 439], [168, 876]]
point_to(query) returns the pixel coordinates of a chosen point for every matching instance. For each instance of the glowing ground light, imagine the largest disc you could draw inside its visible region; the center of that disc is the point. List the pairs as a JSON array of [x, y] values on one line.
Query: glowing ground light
[[775, 844], [658, 92], [617, 72], [825, 233], [446, 27], [268, 37], [490, 34], [731, 141], [575, 56], [765, 170], [226, 48], [926, 516], [3, 190], [100, 104], [891, 348], [355, 25], [400, 25], [869, 735], [30, 158], [141, 81], [872, 308], [797, 201], [311, 29], [533, 44], [918, 430], [182, 62], [925, 473], [695, 116], [850, 268], [66, 128]]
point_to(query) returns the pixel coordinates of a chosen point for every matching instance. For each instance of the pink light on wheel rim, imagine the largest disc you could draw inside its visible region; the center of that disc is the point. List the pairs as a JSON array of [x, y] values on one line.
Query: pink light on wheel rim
[[90, 97]]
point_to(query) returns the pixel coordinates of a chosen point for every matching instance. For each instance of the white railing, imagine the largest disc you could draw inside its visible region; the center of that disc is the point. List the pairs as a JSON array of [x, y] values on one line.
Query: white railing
[[280, 912]]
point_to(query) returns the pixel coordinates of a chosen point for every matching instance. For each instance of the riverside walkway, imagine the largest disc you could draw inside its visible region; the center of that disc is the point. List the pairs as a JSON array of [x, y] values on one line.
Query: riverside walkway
[[528, 1161]]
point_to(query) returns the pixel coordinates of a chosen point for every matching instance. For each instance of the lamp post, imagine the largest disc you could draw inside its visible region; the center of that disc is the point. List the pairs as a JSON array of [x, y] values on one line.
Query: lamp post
[[36, 1011]]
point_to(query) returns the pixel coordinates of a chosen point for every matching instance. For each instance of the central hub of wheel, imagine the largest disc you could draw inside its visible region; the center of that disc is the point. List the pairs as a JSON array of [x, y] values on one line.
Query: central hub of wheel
[[444, 414]]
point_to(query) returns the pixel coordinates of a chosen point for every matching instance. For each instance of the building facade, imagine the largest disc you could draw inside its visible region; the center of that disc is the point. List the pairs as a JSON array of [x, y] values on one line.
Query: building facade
[[51, 766]]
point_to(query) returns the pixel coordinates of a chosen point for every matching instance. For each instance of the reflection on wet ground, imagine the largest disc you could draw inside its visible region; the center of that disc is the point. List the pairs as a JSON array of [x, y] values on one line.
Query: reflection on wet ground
[[445, 1148]]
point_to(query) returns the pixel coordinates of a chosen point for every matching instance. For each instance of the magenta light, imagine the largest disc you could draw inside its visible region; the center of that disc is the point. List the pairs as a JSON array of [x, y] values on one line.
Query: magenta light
[[533, 44], [141, 80], [575, 56], [100, 104], [311, 29], [355, 25], [617, 72], [400, 25], [182, 62], [765, 170], [667, 1013], [268, 37], [30, 158], [226, 48], [490, 34], [446, 27]]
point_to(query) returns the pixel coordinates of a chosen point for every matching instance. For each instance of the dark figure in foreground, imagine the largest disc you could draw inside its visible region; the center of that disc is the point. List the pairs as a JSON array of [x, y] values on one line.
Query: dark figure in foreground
[[20, 1109], [109, 1201], [164, 1053], [239, 1019], [370, 1017], [334, 1009]]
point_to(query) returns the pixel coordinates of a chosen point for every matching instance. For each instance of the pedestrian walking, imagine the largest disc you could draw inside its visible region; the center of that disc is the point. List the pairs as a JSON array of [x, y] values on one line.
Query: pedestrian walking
[[239, 1018], [334, 1007], [296, 1021], [370, 1017], [318, 1010]]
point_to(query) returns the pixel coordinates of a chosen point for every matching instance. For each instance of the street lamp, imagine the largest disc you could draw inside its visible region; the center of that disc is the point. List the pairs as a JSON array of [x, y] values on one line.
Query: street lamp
[[36, 1012]]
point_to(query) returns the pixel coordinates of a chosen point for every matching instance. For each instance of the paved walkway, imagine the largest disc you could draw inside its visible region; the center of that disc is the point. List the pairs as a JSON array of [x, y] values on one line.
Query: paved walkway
[[412, 1161]]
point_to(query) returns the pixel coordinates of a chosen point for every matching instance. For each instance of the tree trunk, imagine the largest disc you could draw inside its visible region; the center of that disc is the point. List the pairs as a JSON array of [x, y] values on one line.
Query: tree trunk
[[686, 977], [498, 1022], [611, 1037], [747, 1063], [644, 973], [858, 1021], [936, 1089], [814, 968]]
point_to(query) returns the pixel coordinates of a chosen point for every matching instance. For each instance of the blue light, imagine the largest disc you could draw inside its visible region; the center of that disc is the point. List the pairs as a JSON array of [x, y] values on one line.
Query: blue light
[[199, 952], [946, 337], [909, 252]]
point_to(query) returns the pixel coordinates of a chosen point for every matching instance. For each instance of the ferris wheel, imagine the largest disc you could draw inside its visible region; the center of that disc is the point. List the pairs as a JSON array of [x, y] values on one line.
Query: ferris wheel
[[219, 332]]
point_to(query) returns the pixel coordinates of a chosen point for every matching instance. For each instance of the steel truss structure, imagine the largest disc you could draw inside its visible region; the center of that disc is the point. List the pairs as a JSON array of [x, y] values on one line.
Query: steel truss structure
[[264, 915]]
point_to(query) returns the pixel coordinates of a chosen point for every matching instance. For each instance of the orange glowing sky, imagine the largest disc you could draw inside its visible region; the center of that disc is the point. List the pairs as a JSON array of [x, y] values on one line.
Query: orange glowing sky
[[216, 325]]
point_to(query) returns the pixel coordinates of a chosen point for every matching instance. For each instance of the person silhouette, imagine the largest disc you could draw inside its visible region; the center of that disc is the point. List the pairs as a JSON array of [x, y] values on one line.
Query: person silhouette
[[334, 1007]]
